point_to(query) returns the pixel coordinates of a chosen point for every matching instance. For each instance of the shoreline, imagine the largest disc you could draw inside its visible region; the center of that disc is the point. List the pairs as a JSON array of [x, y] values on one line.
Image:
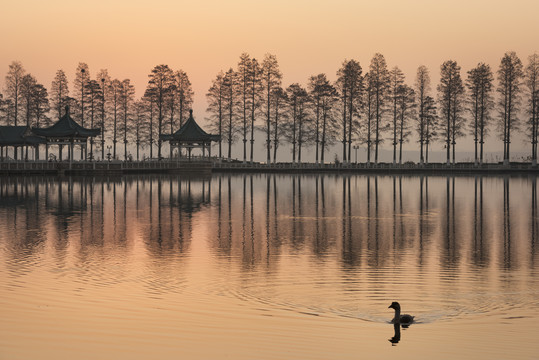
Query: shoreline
[[207, 167]]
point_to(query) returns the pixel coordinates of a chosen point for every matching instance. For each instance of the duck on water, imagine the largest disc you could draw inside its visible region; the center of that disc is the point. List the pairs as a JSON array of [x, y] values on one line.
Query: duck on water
[[403, 319]]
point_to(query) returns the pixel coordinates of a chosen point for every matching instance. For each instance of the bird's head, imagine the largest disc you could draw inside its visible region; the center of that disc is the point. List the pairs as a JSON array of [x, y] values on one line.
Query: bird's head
[[394, 305]]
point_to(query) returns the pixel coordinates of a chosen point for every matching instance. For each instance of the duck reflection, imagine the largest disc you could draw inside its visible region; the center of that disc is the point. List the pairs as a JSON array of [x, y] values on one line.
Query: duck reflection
[[396, 336]]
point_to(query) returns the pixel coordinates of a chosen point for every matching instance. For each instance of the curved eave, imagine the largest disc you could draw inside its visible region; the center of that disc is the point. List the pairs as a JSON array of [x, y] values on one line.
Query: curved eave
[[52, 133]]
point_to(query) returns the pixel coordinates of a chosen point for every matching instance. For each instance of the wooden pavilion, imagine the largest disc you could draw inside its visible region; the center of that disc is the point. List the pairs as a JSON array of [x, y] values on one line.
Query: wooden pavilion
[[18, 137], [190, 136], [67, 132]]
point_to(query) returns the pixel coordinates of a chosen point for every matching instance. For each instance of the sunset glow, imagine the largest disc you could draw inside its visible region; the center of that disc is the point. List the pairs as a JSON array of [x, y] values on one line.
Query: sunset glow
[[308, 37]]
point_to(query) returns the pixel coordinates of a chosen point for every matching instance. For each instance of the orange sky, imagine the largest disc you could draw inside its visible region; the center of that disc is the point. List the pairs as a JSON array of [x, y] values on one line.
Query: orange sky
[[202, 37]]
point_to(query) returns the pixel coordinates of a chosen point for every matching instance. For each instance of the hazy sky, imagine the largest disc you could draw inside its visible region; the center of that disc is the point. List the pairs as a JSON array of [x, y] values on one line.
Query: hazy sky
[[130, 37]]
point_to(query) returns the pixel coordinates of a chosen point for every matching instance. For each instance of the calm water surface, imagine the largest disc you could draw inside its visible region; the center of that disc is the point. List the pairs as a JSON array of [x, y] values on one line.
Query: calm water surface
[[268, 267]]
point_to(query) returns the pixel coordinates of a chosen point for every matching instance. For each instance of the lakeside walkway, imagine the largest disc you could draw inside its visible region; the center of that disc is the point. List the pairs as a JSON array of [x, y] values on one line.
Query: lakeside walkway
[[207, 166]]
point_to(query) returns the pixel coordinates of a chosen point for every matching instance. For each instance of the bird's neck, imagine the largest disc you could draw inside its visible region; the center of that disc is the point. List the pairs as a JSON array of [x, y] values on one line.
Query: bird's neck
[[397, 316]]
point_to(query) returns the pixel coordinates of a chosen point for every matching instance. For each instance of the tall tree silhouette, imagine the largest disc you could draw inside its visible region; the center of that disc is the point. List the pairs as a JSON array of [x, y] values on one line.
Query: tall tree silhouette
[[35, 103], [13, 89], [215, 98], [149, 108], [27, 85], [510, 75], [13, 93], [94, 101], [279, 101], [323, 97], [171, 104], [41, 105], [115, 89], [103, 79], [422, 85], [255, 94], [396, 82], [479, 84], [140, 125], [82, 76], [532, 83], [244, 84], [3, 112], [379, 77], [450, 98], [350, 85], [161, 82], [297, 132], [271, 80], [184, 93], [430, 124], [316, 92], [230, 106], [59, 91], [127, 98], [369, 110], [405, 112], [28, 82]]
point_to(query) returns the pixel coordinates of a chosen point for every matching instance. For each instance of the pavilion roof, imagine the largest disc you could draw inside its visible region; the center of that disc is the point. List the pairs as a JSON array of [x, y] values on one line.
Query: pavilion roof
[[66, 127], [18, 136], [190, 131]]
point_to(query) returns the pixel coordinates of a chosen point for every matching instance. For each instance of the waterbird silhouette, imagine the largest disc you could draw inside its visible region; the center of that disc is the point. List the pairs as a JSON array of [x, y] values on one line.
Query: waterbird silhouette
[[405, 320]]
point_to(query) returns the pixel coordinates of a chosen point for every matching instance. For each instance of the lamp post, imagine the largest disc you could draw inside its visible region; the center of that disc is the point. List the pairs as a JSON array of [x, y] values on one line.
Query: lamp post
[[355, 147]]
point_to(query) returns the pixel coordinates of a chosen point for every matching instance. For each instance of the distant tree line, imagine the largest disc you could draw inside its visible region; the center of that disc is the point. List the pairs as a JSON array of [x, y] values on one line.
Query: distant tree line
[[367, 108], [372, 107]]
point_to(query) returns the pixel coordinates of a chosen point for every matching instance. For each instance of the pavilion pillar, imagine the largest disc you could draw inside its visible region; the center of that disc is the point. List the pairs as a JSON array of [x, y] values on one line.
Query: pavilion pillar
[[85, 151], [46, 152], [60, 148], [71, 148], [203, 149], [36, 157]]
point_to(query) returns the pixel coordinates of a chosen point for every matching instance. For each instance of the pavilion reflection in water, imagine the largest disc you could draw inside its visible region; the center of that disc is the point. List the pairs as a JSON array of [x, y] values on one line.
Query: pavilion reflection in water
[[369, 221]]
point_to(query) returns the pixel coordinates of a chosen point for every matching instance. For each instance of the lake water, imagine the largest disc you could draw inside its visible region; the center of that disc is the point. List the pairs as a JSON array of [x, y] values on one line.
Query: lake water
[[268, 267]]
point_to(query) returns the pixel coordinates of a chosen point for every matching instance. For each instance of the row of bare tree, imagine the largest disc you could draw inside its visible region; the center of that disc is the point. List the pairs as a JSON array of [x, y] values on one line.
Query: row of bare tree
[[369, 108], [358, 108]]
